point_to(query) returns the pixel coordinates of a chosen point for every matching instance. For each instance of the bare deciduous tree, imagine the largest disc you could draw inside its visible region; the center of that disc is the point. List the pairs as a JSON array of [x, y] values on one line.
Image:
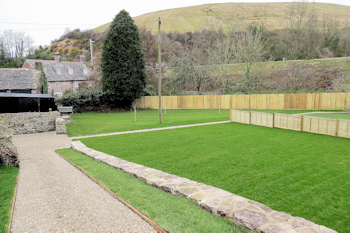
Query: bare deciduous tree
[[16, 44], [248, 49]]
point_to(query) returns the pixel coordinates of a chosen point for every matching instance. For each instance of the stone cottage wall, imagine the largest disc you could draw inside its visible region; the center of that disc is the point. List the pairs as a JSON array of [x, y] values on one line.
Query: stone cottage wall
[[29, 122]]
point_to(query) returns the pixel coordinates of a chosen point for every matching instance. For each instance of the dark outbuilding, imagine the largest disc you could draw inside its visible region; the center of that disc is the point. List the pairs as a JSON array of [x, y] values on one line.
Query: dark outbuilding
[[17, 102]]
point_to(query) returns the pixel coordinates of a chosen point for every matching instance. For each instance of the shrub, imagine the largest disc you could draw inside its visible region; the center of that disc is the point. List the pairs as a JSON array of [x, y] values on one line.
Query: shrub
[[8, 153], [83, 99]]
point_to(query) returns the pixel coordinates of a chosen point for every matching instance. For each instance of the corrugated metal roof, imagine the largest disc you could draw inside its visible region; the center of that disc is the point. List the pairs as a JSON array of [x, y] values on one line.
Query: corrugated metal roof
[[18, 78], [21, 95], [62, 71]]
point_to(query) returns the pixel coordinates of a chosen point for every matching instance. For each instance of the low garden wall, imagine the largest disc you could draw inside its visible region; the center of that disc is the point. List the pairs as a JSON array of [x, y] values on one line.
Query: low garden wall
[[328, 126], [29, 122]]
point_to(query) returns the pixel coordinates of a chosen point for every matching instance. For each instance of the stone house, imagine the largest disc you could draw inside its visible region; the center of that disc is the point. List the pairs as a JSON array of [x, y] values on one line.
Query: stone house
[[61, 75], [18, 80]]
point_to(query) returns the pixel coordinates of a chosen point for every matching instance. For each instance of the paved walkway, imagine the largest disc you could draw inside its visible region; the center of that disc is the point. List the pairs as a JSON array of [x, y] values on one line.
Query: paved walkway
[[53, 196]]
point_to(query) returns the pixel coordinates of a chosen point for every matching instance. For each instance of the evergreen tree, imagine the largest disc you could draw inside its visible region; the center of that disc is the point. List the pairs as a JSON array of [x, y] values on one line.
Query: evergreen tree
[[122, 62], [44, 89]]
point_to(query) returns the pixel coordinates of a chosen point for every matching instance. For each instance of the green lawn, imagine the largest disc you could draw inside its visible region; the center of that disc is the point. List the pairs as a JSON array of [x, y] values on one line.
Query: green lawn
[[8, 181], [345, 116], [95, 123], [300, 173], [175, 214]]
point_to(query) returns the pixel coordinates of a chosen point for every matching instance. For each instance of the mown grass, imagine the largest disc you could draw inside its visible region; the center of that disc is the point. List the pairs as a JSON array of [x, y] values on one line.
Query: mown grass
[[94, 123], [301, 173], [342, 115], [175, 214], [8, 181]]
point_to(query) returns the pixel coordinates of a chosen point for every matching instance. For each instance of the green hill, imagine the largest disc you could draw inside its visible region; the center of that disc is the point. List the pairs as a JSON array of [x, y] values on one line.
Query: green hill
[[273, 15]]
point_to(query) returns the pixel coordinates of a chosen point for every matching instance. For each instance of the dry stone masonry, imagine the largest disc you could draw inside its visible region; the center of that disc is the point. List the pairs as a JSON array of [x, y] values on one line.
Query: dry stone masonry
[[60, 126], [29, 122], [242, 211]]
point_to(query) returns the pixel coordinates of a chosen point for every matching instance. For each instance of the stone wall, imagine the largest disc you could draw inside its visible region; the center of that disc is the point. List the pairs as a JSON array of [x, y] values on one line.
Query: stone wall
[[29, 122]]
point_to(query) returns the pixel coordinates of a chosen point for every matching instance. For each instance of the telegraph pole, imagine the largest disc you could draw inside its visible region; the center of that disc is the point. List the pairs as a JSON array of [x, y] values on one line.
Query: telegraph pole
[[92, 58], [160, 73]]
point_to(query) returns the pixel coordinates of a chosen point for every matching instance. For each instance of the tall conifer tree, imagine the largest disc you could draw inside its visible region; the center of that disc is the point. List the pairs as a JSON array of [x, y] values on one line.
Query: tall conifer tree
[[122, 62]]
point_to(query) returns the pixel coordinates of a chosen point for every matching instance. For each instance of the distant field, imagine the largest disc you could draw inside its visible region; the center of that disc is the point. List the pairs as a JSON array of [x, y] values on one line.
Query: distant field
[[300, 173], [273, 15], [342, 64]]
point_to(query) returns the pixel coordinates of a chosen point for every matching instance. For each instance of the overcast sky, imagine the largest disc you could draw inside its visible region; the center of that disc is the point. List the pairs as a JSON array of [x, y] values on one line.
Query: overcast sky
[[46, 20]]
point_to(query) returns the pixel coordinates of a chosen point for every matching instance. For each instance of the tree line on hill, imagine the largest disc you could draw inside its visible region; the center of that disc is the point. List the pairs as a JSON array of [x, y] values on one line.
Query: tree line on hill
[[198, 62]]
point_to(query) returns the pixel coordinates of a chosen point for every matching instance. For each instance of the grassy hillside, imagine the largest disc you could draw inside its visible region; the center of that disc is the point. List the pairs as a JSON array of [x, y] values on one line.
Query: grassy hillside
[[273, 15]]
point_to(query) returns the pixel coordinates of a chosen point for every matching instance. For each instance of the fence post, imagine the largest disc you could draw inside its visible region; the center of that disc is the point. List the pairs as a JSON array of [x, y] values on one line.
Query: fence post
[[273, 120], [337, 127], [302, 123], [250, 117]]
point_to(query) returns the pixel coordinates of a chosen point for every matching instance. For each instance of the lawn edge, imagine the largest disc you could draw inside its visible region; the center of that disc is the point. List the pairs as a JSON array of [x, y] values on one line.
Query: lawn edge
[[12, 209], [251, 214], [142, 215]]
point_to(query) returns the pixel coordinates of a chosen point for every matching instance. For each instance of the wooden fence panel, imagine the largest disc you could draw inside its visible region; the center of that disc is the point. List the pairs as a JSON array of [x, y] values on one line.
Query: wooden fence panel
[[287, 121], [289, 101], [262, 119], [253, 102], [240, 116], [310, 101], [300, 101], [225, 101], [262, 101], [340, 101], [317, 101], [320, 125], [344, 128], [206, 102]]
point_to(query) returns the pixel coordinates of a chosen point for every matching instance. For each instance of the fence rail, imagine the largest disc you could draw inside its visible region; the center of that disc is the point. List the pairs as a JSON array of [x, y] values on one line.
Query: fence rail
[[321, 101], [328, 126]]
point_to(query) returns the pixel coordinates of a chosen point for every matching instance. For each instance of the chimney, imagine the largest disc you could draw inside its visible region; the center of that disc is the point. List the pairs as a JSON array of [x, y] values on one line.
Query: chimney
[[38, 66], [82, 59], [57, 57]]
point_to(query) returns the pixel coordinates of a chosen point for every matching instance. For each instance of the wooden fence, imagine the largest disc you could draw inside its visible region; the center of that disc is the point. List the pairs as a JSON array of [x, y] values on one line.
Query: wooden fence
[[328, 126], [321, 101]]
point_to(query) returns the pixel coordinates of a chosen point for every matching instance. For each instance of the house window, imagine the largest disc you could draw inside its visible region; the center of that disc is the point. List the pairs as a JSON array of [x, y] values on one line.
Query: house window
[[58, 70], [85, 71], [58, 94], [76, 83], [48, 85], [45, 70], [64, 83], [70, 70], [90, 83], [57, 84]]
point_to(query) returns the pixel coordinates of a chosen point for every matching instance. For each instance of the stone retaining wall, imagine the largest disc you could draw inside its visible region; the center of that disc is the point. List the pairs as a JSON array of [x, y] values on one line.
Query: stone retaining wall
[[242, 211], [29, 122]]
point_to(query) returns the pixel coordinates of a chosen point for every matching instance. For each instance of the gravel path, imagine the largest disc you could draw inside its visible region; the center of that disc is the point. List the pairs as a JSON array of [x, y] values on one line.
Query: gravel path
[[53, 196]]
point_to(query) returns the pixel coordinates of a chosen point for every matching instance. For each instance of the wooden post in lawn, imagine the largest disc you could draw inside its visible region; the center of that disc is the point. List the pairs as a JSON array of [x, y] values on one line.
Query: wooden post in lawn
[[160, 73]]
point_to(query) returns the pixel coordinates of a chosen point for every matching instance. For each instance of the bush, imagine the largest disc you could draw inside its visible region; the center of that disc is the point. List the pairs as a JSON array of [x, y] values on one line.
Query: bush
[[8, 153], [83, 99]]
